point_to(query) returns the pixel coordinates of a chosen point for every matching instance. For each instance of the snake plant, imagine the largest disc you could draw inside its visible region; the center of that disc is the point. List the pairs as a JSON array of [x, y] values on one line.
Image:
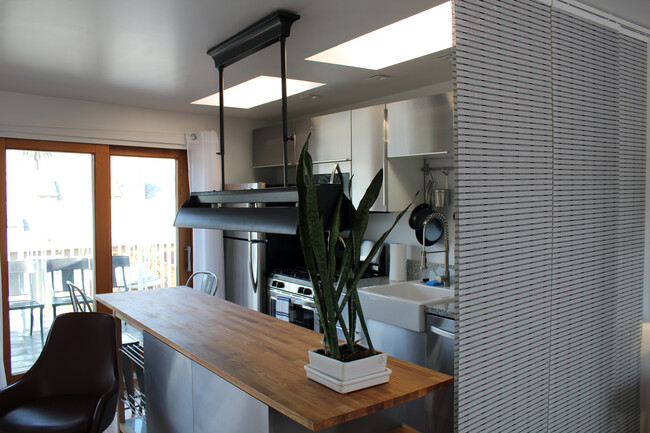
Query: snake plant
[[319, 244]]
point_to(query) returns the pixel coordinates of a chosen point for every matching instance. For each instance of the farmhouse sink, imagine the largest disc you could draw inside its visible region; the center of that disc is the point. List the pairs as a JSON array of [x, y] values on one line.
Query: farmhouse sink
[[402, 304]]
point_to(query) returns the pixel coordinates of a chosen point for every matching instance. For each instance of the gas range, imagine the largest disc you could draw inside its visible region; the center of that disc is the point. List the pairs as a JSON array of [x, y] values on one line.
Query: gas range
[[296, 281], [292, 281], [291, 298]]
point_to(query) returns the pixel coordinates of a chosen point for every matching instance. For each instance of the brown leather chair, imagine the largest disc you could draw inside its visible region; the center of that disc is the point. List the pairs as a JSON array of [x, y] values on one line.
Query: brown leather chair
[[73, 386]]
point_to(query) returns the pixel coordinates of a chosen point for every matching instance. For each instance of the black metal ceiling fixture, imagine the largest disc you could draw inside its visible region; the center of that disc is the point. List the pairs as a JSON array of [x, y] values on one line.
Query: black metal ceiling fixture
[[273, 28]]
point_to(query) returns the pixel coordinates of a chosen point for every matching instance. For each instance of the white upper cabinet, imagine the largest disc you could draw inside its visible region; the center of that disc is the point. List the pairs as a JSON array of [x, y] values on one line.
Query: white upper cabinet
[[368, 153], [402, 176], [330, 137], [421, 126]]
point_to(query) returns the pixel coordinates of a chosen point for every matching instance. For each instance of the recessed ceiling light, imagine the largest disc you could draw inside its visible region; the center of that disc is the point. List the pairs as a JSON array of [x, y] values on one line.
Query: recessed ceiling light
[[257, 91], [412, 37]]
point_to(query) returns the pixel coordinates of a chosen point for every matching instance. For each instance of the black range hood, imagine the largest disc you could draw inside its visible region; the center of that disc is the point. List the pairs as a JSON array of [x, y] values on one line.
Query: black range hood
[[269, 210]]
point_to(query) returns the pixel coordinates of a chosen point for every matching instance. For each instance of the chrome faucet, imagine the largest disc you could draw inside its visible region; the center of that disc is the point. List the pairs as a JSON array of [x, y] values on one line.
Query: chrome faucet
[[440, 217]]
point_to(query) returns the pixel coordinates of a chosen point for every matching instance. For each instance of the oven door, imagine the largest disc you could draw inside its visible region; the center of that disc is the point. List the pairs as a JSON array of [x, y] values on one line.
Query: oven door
[[302, 310]]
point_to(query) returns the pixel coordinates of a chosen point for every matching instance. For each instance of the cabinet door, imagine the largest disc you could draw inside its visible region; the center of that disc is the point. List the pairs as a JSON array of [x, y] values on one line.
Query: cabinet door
[[421, 126], [368, 153], [267, 146], [330, 137]]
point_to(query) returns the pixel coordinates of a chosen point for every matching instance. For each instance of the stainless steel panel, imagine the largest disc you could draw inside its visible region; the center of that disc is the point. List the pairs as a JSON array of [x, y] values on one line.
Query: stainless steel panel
[[421, 126], [440, 357], [368, 153], [239, 256], [406, 345], [244, 257], [401, 343], [330, 137], [221, 406], [267, 146], [168, 380]]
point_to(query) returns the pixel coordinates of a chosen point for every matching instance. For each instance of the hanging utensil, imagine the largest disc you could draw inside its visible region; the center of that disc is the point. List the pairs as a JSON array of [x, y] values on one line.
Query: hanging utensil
[[442, 197]]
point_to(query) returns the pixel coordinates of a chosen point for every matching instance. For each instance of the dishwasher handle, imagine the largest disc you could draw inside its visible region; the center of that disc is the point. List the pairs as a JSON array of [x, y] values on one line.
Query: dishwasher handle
[[441, 332]]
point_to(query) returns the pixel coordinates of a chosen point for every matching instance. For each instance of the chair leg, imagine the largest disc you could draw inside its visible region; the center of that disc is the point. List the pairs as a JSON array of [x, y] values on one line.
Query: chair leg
[[31, 321], [40, 311]]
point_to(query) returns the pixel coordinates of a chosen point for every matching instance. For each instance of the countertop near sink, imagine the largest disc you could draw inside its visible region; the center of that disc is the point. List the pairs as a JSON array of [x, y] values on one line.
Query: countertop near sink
[[448, 310]]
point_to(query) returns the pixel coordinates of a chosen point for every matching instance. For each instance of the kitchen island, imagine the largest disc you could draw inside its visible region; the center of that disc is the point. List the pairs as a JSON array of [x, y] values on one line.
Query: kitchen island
[[241, 366]]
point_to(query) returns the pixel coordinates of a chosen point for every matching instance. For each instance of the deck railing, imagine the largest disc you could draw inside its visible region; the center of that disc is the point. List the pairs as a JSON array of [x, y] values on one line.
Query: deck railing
[[150, 266]]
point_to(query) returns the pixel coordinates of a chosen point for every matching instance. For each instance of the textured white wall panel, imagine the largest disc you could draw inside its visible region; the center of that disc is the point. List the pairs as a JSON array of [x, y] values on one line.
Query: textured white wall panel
[[504, 186], [551, 189], [585, 201], [630, 228]]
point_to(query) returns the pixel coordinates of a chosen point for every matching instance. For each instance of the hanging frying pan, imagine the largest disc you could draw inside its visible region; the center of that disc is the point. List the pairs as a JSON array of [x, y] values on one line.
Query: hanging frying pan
[[419, 214], [416, 221], [434, 232]]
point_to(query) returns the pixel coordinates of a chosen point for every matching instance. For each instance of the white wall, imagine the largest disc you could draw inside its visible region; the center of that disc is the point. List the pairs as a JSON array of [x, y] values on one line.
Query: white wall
[[58, 119]]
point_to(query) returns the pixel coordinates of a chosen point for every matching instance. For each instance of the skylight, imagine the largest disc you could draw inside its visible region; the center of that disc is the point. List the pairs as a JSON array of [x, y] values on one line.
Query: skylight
[[257, 91], [416, 36]]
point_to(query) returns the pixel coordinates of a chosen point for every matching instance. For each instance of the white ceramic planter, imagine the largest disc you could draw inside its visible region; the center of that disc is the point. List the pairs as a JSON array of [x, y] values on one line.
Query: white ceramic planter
[[350, 376]]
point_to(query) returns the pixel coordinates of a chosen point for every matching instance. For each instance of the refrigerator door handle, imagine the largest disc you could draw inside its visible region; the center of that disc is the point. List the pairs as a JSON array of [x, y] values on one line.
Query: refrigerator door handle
[[189, 258], [251, 274]]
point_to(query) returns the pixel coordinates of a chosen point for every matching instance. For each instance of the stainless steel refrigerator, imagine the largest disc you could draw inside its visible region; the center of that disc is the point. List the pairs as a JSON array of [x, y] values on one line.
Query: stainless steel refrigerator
[[244, 258]]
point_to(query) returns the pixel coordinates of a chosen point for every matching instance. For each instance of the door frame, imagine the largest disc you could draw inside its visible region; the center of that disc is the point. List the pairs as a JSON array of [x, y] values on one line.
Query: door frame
[[103, 271]]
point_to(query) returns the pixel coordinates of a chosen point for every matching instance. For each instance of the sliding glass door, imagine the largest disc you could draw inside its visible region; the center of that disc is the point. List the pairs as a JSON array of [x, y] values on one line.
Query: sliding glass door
[[143, 207], [50, 241], [99, 217]]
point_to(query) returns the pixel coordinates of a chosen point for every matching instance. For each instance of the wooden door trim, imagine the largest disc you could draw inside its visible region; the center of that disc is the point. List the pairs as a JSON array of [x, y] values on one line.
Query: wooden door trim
[[53, 146], [6, 337], [102, 204], [102, 214], [184, 235]]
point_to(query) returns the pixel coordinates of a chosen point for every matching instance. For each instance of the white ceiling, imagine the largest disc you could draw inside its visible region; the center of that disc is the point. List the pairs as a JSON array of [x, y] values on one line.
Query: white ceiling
[[152, 53]]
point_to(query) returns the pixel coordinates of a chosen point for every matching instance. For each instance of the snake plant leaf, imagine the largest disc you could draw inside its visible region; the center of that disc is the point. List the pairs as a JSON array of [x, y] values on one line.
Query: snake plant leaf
[[360, 222], [334, 237], [303, 230], [315, 250], [319, 250]]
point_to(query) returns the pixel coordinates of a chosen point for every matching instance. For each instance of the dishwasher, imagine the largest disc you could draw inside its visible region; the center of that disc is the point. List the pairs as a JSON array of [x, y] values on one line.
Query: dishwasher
[[434, 349], [440, 357]]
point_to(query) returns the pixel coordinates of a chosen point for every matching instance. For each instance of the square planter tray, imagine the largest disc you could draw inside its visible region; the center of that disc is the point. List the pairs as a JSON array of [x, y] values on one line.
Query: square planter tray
[[345, 371], [345, 386]]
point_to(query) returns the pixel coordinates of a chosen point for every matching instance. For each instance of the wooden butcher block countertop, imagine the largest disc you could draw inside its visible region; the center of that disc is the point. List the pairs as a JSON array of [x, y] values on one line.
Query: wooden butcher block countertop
[[261, 355]]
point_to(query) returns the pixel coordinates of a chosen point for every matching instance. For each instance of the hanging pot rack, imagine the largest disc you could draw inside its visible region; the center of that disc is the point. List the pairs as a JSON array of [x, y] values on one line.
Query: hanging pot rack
[[210, 210], [273, 28]]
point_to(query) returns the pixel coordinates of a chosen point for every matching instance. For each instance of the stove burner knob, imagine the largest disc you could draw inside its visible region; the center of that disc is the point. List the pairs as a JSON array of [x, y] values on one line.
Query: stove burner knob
[[301, 290], [307, 292], [278, 284]]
